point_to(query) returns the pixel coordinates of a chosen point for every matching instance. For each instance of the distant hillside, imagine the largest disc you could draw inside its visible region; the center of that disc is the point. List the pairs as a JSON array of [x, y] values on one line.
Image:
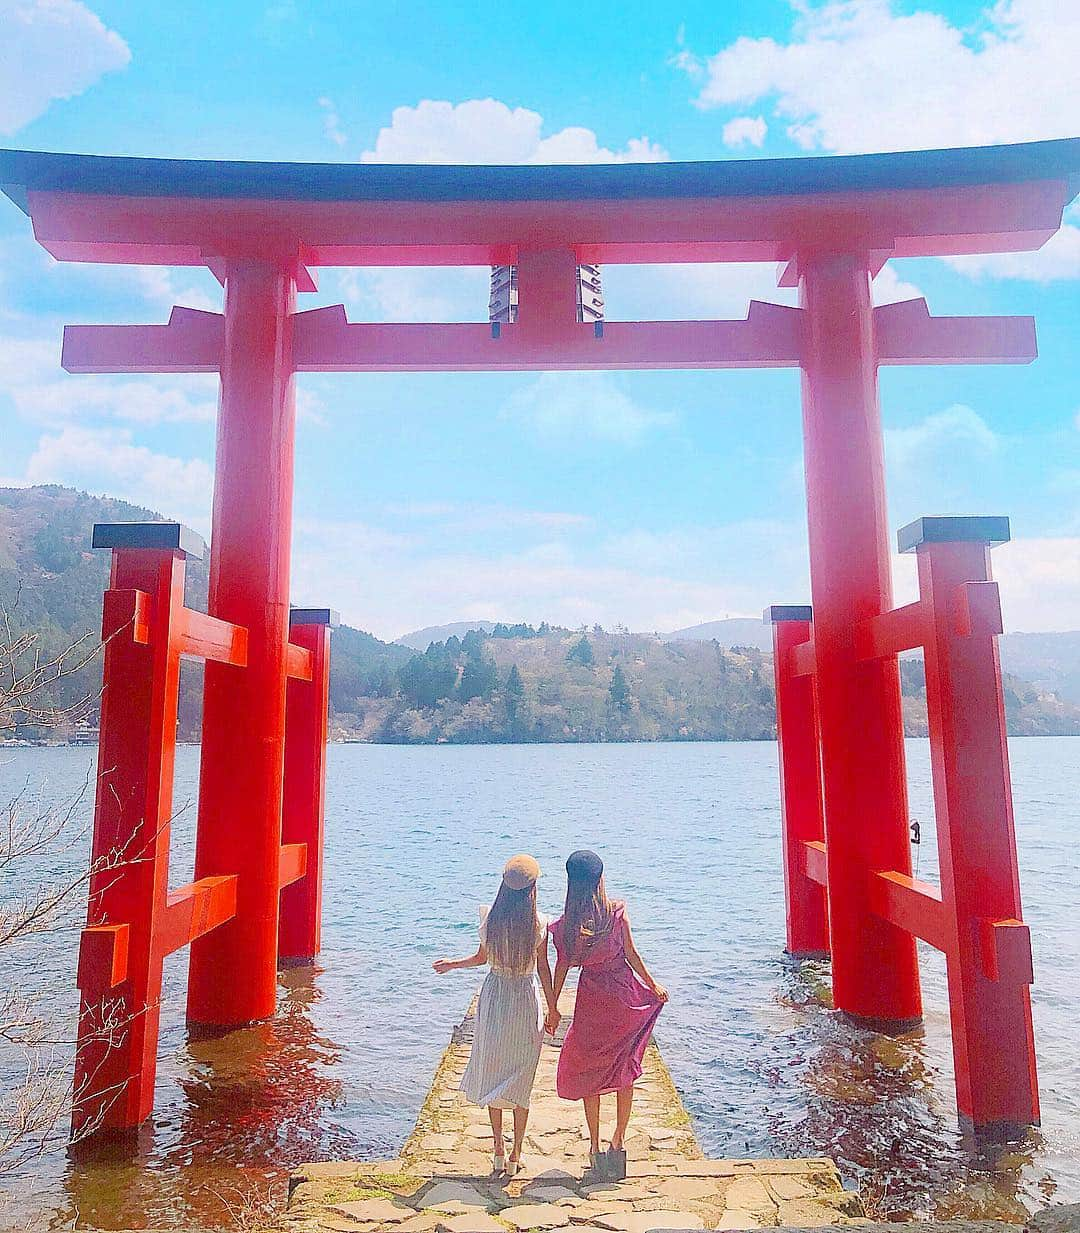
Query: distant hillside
[[550, 684], [421, 639], [51, 583], [734, 631], [505, 683], [1050, 661]]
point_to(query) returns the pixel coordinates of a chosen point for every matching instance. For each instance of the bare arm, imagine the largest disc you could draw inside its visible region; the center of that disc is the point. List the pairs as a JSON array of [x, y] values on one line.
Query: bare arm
[[562, 967], [442, 966], [543, 970], [638, 964]]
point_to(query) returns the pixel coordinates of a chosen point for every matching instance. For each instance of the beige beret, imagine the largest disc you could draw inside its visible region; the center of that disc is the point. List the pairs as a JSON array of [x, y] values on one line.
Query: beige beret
[[520, 872]]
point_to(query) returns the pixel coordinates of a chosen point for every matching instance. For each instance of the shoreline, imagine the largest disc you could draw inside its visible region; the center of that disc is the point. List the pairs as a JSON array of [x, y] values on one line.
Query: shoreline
[[689, 740]]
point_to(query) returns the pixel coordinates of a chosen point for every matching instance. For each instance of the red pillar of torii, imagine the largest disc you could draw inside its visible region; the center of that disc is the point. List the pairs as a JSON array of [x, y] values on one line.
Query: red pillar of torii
[[831, 223]]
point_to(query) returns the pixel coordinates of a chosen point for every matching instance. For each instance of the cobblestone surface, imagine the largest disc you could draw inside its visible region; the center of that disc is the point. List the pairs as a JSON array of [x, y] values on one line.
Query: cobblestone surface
[[443, 1181]]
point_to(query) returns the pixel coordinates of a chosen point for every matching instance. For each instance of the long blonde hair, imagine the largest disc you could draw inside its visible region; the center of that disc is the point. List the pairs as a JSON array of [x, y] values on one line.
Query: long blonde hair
[[512, 933]]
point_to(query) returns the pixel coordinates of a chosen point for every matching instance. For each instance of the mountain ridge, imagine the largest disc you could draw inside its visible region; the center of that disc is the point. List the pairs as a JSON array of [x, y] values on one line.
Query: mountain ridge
[[495, 682]]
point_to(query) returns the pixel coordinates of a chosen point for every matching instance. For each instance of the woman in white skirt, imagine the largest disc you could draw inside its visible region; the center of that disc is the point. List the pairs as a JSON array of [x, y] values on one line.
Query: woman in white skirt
[[511, 1015]]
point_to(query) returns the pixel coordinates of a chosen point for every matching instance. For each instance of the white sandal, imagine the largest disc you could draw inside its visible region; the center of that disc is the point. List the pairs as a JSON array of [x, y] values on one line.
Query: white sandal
[[498, 1163], [513, 1167]]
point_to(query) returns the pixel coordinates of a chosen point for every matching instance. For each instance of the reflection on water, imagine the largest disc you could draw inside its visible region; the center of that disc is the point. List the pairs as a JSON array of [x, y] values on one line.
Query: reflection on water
[[690, 833], [872, 1105], [258, 1099]]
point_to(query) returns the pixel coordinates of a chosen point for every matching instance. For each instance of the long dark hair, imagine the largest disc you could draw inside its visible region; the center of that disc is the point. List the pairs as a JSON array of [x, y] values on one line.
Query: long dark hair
[[513, 928], [588, 915]]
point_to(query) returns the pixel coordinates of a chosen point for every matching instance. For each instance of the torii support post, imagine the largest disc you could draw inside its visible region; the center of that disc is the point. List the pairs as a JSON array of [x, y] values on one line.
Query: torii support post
[[234, 971], [307, 708], [133, 921], [989, 946], [875, 968], [801, 816], [797, 737]]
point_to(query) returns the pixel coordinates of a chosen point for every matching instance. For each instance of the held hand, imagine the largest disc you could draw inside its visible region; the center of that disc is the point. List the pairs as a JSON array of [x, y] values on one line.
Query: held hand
[[552, 1021], [660, 992], [442, 966]]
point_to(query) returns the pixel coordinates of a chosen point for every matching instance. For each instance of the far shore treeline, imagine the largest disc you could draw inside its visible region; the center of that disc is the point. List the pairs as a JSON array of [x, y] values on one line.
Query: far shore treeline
[[515, 683]]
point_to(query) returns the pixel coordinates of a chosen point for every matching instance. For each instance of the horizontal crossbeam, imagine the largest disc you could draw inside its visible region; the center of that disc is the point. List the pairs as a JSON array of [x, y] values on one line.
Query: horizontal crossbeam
[[195, 909], [126, 608], [911, 905], [191, 342], [1006, 951], [324, 340], [103, 956], [297, 662], [906, 334], [190, 911], [803, 661], [207, 637], [900, 629], [814, 862], [292, 863]]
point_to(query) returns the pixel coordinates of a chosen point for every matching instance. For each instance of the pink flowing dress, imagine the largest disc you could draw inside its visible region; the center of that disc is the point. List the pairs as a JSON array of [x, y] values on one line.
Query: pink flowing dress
[[614, 1015]]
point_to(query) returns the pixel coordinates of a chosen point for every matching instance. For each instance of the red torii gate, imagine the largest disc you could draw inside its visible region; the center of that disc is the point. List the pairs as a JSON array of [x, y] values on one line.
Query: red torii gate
[[831, 223]]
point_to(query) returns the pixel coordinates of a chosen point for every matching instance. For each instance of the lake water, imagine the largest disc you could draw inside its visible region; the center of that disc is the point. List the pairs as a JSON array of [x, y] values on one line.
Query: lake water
[[415, 840]]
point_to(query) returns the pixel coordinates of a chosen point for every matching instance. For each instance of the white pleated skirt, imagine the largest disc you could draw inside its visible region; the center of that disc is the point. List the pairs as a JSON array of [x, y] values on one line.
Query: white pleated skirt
[[506, 1043]]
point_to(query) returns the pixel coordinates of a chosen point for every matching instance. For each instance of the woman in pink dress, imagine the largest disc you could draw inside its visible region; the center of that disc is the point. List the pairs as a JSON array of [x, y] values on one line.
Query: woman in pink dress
[[618, 1002]]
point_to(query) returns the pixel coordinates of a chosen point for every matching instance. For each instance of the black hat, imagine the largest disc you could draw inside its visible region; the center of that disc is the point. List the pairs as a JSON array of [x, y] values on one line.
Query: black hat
[[584, 866]]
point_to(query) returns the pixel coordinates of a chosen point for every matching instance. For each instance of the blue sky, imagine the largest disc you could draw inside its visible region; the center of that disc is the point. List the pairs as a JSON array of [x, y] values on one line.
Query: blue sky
[[655, 499]]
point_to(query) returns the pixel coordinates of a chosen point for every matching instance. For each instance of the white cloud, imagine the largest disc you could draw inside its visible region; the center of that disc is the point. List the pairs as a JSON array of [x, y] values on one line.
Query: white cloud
[[1059, 258], [858, 75], [956, 431], [560, 581], [488, 131], [564, 407], [691, 291], [108, 460], [1040, 583], [474, 131], [51, 49], [703, 291], [332, 122], [42, 393], [745, 131], [1039, 578], [416, 293], [888, 286]]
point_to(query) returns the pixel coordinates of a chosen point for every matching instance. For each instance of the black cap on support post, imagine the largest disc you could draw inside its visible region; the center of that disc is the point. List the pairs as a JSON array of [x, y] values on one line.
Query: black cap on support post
[[314, 616], [776, 613], [154, 535], [991, 529]]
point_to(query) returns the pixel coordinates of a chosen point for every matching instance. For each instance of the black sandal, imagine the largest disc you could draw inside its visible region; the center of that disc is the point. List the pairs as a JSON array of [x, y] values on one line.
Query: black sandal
[[615, 1164]]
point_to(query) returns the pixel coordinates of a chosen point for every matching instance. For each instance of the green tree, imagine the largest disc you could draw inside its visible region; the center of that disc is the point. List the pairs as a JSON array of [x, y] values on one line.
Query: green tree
[[478, 678], [581, 653], [473, 642], [427, 678], [619, 692], [515, 686]]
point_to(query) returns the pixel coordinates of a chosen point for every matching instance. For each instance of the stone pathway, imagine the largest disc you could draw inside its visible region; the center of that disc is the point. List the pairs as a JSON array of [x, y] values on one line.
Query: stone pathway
[[442, 1180]]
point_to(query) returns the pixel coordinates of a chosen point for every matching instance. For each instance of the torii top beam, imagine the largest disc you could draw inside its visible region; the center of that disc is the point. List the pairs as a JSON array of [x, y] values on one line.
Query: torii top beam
[[177, 212], [544, 219]]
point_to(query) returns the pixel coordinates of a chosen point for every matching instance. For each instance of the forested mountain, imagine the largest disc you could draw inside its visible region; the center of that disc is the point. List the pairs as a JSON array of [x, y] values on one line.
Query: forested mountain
[[1051, 662], [51, 583], [501, 683]]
